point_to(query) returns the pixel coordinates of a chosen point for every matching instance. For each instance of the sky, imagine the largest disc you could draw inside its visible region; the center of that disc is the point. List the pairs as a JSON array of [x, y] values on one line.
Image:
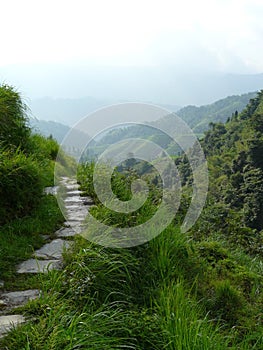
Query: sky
[[201, 36]]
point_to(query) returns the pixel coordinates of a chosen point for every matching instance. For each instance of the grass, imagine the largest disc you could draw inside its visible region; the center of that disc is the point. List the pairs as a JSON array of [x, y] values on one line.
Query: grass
[[173, 293], [22, 236], [111, 299]]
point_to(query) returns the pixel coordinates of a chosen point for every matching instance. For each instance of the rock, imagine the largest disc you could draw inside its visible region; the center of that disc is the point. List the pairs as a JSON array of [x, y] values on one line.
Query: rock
[[51, 190], [72, 187], [8, 322], [2, 303], [52, 250], [38, 266], [45, 237], [13, 299], [65, 232], [73, 193], [74, 200], [88, 201], [2, 283]]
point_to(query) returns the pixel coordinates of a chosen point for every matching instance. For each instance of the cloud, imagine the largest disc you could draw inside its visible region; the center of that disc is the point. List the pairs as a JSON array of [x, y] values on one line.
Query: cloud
[[224, 35]]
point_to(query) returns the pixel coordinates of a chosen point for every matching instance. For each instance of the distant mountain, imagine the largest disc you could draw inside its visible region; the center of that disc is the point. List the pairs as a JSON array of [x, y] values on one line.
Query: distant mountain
[[171, 84], [70, 111], [47, 128], [65, 110], [199, 118]]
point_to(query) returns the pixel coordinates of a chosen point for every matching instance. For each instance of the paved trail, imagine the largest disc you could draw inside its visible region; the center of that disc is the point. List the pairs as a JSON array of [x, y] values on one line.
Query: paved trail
[[48, 257]]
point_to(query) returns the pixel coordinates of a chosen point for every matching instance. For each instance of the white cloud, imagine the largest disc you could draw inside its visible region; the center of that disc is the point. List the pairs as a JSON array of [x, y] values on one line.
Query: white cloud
[[226, 33]]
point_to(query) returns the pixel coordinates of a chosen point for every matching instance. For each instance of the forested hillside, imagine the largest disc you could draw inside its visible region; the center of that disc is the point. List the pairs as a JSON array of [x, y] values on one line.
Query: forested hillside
[[198, 118], [220, 111], [49, 128], [234, 152], [201, 290]]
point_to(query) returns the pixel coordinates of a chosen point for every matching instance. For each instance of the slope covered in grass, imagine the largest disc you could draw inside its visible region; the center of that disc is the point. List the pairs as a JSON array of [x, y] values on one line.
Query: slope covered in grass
[[200, 290]]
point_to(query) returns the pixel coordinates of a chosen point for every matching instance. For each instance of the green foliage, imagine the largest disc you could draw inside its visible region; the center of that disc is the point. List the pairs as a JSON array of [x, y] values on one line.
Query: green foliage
[[234, 154], [26, 161], [43, 148], [21, 185], [226, 302], [199, 118], [14, 131], [200, 290], [21, 236]]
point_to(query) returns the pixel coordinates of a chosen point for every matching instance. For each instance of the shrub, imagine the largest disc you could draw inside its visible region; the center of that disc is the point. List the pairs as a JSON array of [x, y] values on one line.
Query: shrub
[[21, 185], [13, 120]]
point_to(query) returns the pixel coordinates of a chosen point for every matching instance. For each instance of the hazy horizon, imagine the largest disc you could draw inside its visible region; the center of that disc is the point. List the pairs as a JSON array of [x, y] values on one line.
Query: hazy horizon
[[168, 52]]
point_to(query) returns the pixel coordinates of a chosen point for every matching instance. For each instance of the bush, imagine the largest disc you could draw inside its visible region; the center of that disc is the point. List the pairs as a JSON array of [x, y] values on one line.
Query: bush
[[227, 302], [43, 148], [13, 120], [21, 185]]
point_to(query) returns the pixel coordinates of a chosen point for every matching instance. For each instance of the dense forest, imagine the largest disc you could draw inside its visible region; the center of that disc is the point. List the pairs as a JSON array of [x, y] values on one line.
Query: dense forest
[[199, 290], [198, 118]]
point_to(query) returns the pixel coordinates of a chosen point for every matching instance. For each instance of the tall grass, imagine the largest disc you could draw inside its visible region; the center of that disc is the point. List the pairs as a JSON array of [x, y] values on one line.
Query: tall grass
[[21, 184], [149, 297]]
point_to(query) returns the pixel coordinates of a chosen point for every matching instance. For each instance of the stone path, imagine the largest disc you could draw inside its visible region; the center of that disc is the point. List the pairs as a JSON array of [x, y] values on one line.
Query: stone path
[[48, 257]]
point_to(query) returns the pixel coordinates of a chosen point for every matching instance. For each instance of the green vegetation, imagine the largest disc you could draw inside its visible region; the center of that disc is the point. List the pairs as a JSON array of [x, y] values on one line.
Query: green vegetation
[[200, 290], [26, 168], [47, 128], [199, 118]]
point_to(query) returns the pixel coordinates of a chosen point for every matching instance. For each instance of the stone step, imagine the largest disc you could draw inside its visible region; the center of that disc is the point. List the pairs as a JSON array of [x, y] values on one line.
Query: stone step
[[51, 190], [38, 266], [8, 322], [72, 187], [65, 232], [75, 199], [52, 250], [19, 298], [73, 193]]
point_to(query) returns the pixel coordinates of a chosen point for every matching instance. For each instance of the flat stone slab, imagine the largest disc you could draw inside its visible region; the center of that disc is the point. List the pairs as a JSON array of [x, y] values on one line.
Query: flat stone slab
[[73, 193], [72, 187], [51, 190], [75, 225], [73, 207], [74, 199], [65, 232], [52, 250], [88, 201], [76, 216], [13, 299], [9, 322], [38, 266]]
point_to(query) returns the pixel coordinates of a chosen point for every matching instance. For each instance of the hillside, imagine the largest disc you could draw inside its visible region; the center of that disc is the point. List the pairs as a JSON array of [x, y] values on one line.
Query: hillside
[[48, 128], [199, 118], [197, 290], [234, 152]]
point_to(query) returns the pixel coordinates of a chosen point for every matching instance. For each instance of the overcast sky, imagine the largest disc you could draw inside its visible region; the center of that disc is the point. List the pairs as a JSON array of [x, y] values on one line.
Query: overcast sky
[[136, 49], [225, 35]]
